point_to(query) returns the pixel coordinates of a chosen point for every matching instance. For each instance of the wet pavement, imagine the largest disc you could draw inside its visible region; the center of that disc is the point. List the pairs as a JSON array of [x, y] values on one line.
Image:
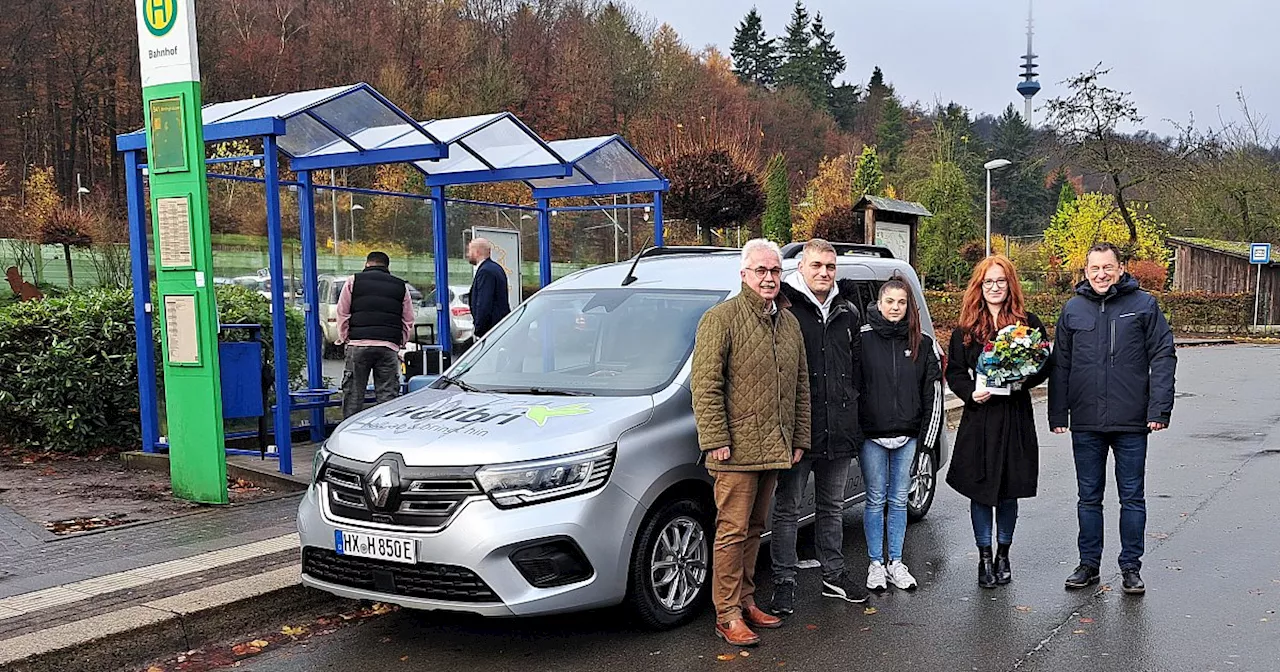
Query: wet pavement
[[1212, 569]]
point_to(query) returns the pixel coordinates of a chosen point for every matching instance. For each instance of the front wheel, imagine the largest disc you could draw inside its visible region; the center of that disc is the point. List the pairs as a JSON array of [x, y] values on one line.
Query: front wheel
[[924, 483], [670, 579]]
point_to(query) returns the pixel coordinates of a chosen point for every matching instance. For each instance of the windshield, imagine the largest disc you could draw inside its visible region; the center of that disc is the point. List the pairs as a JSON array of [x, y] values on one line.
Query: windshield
[[607, 342]]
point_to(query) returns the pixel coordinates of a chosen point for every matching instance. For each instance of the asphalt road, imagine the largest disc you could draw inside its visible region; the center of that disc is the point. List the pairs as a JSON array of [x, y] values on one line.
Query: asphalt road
[[1212, 572]]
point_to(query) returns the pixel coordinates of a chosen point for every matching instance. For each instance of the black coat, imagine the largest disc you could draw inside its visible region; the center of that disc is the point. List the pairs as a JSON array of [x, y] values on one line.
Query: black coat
[[996, 454], [901, 395], [488, 299], [1116, 361], [834, 351]]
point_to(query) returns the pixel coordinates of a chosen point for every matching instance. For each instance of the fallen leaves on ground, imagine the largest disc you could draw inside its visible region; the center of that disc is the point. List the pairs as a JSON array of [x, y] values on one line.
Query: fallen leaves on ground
[[155, 668], [810, 626], [404, 658], [1086, 620], [1024, 609], [745, 654], [726, 656], [1077, 632], [869, 611], [85, 524], [1161, 536], [291, 631]]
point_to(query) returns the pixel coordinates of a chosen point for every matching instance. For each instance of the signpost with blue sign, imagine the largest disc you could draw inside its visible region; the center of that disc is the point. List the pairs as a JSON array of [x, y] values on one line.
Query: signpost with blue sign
[[1259, 255]]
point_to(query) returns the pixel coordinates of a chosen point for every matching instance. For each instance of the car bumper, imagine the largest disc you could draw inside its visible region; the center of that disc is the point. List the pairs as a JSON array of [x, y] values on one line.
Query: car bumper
[[481, 538]]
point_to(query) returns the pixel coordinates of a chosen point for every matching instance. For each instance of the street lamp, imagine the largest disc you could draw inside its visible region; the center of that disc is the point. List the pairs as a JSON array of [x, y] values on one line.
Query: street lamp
[[354, 206], [995, 164], [81, 190]]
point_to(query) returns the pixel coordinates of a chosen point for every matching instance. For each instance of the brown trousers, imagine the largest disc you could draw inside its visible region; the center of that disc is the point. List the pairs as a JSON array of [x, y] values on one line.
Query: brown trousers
[[742, 509]]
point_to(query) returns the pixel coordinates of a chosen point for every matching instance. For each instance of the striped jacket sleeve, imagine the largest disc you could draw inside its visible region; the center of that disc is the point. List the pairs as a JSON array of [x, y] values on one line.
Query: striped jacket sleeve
[[931, 396]]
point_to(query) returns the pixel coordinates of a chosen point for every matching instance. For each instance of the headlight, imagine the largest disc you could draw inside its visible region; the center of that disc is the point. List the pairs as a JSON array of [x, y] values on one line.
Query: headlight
[[317, 462], [522, 483]]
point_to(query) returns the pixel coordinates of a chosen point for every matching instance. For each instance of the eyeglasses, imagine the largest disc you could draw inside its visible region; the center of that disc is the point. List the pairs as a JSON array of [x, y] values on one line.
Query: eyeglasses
[[761, 271], [1108, 269], [1001, 283]]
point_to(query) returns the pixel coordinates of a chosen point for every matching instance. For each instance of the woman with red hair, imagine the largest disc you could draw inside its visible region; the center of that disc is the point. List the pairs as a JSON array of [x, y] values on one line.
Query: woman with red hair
[[996, 456]]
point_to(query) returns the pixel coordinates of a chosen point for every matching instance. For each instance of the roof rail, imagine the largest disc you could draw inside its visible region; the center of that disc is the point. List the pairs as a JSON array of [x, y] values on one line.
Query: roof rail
[[666, 250], [792, 250], [683, 249]]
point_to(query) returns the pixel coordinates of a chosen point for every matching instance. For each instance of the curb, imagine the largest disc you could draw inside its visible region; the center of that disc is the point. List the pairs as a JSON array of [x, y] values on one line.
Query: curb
[[136, 459], [155, 629]]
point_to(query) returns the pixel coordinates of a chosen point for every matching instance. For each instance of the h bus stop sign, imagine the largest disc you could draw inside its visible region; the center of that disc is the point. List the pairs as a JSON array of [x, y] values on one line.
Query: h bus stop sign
[[1259, 254]]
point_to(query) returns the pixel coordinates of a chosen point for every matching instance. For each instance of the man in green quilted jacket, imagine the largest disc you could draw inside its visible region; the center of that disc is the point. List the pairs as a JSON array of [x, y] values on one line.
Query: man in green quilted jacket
[[751, 403]]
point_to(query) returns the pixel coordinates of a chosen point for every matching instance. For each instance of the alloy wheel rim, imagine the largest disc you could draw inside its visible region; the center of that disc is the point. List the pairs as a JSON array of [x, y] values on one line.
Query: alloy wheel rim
[[922, 480], [678, 565]]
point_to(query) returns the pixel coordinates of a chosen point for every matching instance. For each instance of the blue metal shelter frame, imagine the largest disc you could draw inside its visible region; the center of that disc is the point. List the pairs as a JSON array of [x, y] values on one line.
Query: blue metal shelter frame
[[352, 126]]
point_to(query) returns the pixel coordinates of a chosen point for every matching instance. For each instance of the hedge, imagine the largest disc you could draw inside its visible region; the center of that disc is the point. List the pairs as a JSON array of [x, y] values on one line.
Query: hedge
[[68, 366], [1186, 311]]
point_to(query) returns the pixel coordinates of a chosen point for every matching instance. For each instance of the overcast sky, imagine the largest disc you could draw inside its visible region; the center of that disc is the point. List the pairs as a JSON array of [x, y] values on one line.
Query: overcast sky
[[1177, 57]]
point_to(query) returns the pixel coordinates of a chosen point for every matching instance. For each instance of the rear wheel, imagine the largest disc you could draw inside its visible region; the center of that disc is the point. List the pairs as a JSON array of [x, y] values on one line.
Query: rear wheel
[[924, 483], [670, 579]]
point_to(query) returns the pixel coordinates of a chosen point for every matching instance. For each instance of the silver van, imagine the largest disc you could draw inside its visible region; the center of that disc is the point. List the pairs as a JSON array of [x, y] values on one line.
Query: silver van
[[555, 467]]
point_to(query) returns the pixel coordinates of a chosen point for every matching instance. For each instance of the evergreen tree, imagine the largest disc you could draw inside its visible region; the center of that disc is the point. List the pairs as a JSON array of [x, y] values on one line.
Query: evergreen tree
[[777, 194], [1064, 189], [830, 62], [843, 103], [892, 131], [1027, 203], [755, 56], [800, 68], [868, 178]]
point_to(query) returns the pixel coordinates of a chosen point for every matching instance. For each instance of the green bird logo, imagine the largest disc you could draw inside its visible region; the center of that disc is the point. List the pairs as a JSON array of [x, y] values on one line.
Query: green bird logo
[[540, 414]]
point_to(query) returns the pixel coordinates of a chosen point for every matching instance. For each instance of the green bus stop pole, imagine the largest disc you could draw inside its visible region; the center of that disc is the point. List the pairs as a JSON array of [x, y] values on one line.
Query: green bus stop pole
[[183, 252]]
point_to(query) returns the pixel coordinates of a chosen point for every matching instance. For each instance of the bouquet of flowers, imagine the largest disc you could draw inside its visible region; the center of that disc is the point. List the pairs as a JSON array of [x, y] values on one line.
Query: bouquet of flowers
[[1016, 353]]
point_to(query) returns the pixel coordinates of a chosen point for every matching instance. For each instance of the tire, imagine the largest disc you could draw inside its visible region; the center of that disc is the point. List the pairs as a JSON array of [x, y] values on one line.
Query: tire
[[924, 485], [656, 607]]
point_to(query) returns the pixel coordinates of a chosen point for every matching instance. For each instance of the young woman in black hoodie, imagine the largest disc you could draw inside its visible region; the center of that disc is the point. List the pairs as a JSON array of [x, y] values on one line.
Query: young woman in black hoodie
[[902, 408]]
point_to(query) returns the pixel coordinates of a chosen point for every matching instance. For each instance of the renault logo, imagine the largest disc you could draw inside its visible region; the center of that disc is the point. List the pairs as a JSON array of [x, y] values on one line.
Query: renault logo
[[382, 481]]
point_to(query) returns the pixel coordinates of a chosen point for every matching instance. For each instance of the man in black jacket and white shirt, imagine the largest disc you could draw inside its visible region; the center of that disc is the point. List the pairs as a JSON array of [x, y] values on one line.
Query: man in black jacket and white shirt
[[830, 322]]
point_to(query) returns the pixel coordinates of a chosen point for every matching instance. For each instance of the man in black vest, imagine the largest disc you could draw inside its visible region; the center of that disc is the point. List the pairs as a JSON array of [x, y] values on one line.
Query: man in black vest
[[488, 297], [375, 318]]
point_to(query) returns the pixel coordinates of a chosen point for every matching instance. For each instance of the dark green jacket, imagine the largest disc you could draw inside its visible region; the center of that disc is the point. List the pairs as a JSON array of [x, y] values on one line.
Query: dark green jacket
[[750, 384]]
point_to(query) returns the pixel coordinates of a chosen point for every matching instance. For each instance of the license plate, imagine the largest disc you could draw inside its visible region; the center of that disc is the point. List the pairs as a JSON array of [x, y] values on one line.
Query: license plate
[[375, 546]]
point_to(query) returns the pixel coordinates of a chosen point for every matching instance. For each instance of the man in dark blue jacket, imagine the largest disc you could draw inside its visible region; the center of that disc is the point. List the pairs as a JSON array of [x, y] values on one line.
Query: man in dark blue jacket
[[1113, 386], [488, 299]]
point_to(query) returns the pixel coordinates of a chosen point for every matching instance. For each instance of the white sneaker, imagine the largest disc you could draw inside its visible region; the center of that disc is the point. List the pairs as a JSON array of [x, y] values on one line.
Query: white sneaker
[[875, 576], [899, 576]]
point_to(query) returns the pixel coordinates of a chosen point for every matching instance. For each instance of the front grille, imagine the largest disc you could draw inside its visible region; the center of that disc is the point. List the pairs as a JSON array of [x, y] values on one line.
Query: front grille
[[424, 580], [425, 498]]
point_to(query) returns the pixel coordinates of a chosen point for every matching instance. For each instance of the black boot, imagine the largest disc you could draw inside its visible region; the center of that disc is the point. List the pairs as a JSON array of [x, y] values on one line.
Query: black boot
[[1003, 572], [986, 569]]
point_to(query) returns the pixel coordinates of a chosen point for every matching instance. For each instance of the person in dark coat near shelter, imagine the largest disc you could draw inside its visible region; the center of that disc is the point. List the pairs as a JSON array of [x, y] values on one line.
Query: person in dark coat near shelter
[[996, 458], [488, 300]]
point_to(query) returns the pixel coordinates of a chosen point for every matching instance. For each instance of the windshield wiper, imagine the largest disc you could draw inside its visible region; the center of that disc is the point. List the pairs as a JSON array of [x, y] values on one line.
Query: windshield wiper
[[458, 383], [545, 391]]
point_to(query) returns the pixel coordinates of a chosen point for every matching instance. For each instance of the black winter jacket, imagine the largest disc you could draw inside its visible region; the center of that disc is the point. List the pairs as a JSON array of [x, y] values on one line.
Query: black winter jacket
[[1115, 361], [900, 397], [834, 351], [377, 306]]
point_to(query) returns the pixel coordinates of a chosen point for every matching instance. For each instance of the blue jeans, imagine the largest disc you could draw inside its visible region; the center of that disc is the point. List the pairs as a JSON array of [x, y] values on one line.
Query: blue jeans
[[829, 478], [1004, 516], [1090, 449], [887, 474]]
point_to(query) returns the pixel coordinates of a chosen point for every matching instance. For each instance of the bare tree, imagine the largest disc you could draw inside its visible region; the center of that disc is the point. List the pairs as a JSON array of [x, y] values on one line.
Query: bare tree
[[1088, 122]]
